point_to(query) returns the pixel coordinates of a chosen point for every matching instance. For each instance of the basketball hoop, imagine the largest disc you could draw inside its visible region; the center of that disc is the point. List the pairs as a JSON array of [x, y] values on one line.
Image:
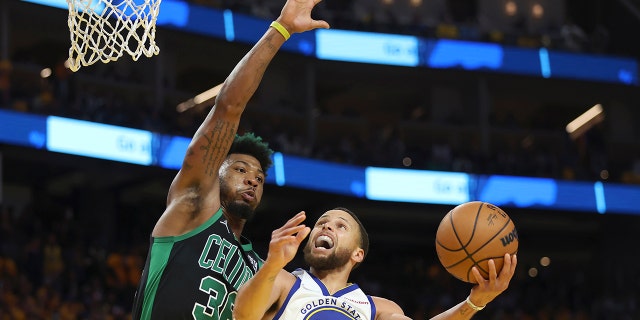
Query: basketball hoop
[[103, 30]]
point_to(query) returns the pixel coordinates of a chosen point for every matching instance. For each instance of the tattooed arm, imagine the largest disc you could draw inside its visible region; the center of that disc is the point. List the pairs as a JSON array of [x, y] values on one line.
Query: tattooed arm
[[194, 193]]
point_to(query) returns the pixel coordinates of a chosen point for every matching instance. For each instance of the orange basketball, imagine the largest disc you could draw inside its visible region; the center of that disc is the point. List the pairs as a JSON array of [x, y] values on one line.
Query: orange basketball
[[471, 234]]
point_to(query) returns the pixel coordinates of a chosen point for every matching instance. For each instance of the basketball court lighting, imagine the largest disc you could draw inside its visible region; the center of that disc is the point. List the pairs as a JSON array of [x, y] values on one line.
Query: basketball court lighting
[[585, 121], [45, 73], [199, 99]]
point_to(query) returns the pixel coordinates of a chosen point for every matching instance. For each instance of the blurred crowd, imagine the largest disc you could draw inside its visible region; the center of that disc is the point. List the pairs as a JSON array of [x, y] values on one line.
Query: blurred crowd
[[50, 268], [403, 136]]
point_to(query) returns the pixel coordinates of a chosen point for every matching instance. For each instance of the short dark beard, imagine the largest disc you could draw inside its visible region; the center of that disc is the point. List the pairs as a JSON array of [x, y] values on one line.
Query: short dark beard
[[335, 260], [240, 210], [235, 208]]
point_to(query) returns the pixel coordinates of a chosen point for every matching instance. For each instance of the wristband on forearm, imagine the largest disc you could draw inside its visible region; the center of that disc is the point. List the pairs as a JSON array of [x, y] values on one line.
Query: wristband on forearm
[[281, 29], [473, 306]]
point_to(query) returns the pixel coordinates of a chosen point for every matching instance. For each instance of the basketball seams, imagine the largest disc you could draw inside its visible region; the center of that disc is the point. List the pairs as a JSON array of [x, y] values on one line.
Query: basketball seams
[[464, 246], [485, 244], [453, 227], [493, 237], [487, 259], [470, 255], [450, 215], [475, 222], [461, 258]]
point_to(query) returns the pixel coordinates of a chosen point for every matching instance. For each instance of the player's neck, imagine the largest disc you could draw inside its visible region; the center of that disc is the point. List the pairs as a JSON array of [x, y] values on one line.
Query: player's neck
[[235, 224], [335, 279]]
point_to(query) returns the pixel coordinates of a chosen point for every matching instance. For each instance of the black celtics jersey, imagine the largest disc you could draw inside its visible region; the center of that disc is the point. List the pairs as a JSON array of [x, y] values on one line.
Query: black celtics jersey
[[195, 275]]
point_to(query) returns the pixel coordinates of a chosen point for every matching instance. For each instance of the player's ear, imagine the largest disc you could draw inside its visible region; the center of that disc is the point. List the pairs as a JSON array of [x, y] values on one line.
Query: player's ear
[[358, 255]]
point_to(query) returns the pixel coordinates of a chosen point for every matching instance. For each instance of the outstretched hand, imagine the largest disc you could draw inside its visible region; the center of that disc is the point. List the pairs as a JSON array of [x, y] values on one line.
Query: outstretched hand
[[286, 240], [488, 289], [296, 16]]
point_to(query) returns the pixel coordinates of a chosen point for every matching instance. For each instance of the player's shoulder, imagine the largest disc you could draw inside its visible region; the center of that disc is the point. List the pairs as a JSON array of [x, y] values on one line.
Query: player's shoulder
[[299, 272], [386, 306], [285, 281], [289, 277]]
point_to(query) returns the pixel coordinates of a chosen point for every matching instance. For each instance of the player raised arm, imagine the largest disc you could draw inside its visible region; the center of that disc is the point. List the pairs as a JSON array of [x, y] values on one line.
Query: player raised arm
[[270, 285], [195, 188]]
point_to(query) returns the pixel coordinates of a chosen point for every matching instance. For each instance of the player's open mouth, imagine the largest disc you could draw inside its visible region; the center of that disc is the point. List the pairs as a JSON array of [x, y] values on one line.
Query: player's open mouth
[[324, 242]]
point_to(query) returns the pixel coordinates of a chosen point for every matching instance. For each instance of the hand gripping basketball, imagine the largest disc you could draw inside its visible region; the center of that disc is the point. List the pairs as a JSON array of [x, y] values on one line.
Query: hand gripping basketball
[[470, 235]]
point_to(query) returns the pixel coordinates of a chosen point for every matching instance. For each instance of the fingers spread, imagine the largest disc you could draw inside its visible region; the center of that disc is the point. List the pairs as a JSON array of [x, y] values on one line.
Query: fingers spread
[[288, 231], [493, 273], [296, 220], [514, 262], [303, 234], [477, 275]]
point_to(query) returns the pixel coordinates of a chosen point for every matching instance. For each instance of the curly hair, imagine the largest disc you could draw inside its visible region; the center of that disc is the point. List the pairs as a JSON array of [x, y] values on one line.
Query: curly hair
[[252, 145]]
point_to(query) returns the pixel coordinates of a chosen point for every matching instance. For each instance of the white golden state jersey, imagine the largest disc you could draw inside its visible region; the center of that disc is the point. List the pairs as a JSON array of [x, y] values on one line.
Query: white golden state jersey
[[309, 299]]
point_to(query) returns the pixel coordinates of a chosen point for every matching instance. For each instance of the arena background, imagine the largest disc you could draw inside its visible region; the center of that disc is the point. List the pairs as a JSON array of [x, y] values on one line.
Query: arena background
[[75, 230]]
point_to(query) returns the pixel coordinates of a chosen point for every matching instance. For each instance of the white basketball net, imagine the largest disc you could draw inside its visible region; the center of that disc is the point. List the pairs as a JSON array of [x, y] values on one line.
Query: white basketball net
[[103, 30]]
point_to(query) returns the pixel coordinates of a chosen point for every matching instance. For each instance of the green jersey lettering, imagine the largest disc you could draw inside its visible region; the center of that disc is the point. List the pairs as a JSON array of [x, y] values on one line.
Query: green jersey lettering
[[205, 252], [221, 256]]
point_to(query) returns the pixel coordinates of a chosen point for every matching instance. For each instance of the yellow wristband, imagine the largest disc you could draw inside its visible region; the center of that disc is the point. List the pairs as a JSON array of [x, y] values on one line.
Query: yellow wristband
[[283, 31], [473, 306]]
